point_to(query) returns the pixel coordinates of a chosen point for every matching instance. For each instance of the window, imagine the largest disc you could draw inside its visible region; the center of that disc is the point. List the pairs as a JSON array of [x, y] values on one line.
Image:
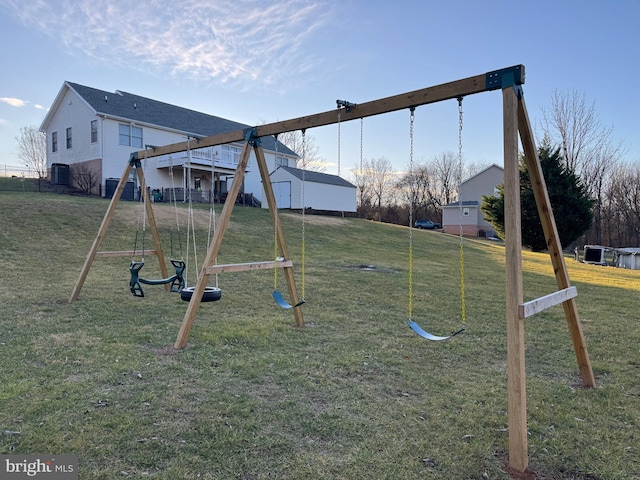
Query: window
[[282, 161], [69, 138], [94, 131], [231, 154], [130, 135], [54, 142]]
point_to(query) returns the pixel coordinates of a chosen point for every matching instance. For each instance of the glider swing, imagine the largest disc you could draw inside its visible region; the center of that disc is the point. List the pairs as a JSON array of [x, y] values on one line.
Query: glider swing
[[277, 296], [175, 281], [412, 324]]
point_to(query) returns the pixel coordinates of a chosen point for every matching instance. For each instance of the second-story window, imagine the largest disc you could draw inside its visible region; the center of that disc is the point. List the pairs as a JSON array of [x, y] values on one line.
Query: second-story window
[[231, 154], [69, 138], [94, 131], [54, 142], [130, 135], [282, 161]]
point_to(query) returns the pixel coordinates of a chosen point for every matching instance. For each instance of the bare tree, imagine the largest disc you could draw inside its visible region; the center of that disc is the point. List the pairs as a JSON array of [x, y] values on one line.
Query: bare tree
[[364, 182], [588, 148], [379, 174], [32, 149], [85, 178], [307, 148], [623, 209], [447, 173]]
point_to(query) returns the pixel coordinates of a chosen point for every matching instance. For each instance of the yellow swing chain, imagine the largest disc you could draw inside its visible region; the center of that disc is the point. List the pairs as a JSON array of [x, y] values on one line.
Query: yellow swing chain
[[304, 169], [411, 121], [462, 292], [275, 228]]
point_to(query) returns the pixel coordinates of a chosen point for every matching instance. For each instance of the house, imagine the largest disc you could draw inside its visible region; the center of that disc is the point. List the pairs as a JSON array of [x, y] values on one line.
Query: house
[[296, 188], [91, 133], [468, 215]]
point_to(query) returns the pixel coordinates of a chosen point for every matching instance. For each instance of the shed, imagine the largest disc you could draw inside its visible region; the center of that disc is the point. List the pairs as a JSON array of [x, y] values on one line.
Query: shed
[[321, 191], [628, 258]]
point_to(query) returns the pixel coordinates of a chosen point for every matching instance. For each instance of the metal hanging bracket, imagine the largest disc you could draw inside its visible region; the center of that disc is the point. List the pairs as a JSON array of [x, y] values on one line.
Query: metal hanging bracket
[[251, 136], [506, 77], [347, 105]]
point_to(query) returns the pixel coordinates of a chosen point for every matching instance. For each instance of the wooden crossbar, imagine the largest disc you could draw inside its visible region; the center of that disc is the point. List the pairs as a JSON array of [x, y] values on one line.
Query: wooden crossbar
[[528, 309], [125, 253], [245, 267]]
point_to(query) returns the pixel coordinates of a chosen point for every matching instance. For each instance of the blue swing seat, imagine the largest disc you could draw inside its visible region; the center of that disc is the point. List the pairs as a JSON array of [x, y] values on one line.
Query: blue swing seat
[[424, 334], [277, 296]]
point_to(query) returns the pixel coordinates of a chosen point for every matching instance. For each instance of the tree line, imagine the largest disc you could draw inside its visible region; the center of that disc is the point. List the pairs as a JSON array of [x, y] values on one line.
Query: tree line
[[571, 128]]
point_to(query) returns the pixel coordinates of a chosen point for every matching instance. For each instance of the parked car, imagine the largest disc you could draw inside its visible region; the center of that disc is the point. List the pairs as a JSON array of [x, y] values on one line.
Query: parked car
[[426, 224]]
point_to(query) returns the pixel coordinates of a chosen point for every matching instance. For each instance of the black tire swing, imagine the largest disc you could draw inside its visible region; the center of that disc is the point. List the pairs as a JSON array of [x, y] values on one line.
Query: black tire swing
[[412, 324], [210, 294]]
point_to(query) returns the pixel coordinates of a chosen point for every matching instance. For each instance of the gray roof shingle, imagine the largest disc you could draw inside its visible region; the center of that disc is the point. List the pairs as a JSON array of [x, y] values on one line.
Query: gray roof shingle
[[146, 110], [317, 177]]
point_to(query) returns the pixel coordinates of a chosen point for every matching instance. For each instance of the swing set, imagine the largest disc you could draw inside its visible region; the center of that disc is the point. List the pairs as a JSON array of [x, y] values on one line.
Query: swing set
[[516, 125]]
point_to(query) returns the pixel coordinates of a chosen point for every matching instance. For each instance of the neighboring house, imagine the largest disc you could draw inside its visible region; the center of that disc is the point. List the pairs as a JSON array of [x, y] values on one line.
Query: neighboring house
[[320, 191], [91, 133], [469, 214]]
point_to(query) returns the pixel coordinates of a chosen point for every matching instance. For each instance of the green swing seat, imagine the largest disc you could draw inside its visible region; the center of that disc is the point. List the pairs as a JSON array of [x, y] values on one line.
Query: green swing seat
[[177, 281]]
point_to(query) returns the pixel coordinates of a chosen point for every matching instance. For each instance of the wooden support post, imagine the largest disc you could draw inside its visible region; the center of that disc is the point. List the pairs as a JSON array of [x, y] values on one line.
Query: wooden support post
[[282, 244], [101, 232], [553, 243], [214, 248], [516, 373]]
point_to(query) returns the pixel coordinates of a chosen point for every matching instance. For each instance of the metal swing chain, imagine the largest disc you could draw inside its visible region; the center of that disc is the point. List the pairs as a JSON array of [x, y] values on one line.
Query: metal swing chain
[[143, 199], [304, 169], [191, 227], [174, 201], [275, 229], [361, 142], [339, 110], [411, 121], [462, 292]]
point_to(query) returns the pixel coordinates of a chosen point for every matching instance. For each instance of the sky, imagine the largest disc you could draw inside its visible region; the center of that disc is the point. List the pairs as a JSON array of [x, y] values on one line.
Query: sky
[[262, 61]]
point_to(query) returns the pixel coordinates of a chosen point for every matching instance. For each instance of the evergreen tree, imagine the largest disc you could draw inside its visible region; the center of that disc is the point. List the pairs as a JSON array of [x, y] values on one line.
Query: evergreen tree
[[572, 207]]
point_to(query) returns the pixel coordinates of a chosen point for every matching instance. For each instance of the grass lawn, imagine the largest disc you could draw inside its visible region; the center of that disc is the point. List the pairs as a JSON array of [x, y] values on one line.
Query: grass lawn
[[354, 394]]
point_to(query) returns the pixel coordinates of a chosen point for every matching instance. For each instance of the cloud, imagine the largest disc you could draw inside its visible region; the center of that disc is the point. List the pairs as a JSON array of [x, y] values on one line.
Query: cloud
[[4, 122], [14, 102], [244, 41], [39, 107]]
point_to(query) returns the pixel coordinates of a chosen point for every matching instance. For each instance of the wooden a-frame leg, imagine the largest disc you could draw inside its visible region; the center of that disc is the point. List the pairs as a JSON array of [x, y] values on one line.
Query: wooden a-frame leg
[[282, 244], [550, 230], [214, 248], [153, 226], [101, 233]]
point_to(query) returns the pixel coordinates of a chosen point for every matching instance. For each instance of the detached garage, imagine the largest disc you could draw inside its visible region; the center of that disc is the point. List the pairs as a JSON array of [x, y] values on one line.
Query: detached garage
[[322, 192]]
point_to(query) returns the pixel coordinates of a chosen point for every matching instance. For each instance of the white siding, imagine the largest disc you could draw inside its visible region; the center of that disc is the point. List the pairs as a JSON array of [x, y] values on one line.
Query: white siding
[[77, 115], [319, 196], [70, 110]]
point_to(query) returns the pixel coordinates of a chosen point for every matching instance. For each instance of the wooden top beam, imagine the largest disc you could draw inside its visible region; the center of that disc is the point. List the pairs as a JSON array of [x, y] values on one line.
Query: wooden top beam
[[446, 91]]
